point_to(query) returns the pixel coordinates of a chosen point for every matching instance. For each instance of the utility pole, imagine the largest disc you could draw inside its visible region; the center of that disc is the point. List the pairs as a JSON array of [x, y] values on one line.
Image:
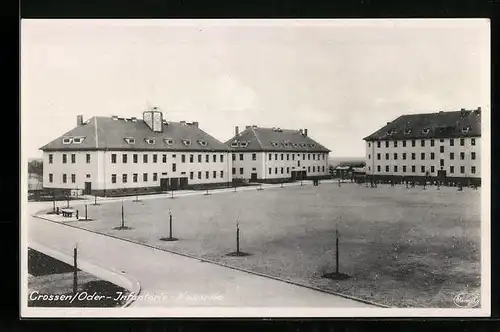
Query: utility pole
[[337, 251], [123, 217], [75, 270], [237, 236]]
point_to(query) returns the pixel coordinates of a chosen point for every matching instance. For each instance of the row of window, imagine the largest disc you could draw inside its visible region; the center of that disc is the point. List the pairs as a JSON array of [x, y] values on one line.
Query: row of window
[[145, 177], [65, 158], [423, 170], [145, 158], [422, 156], [282, 170], [283, 156], [422, 142], [65, 178]]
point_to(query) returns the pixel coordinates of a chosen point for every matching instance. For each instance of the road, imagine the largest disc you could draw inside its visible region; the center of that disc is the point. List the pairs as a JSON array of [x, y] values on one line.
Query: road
[[169, 280]]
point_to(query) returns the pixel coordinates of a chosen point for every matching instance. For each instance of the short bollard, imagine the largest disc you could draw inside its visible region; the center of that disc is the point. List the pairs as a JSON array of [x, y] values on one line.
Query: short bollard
[[170, 237], [76, 214]]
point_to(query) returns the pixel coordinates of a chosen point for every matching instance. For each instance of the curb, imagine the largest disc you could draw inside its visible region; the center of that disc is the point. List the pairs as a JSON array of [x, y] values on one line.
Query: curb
[[349, 297], [133, 284]]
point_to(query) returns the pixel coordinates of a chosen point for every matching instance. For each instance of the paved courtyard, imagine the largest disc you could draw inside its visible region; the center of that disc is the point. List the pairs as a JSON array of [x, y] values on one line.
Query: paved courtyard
[[401, 247]]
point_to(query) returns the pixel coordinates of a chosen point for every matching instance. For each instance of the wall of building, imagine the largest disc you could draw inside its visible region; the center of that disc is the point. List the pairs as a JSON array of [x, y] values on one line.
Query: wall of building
[[280, 163], [83, 171], [471, 168]]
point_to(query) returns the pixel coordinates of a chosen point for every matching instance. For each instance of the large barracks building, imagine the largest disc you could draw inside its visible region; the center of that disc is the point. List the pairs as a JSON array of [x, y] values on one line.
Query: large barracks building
[[442, 145]]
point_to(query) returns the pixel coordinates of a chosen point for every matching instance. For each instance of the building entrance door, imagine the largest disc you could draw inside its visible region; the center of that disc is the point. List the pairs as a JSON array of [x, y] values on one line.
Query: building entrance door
[[164, 184], [88, 188], [184, 183], [253, 177], [174, 183]]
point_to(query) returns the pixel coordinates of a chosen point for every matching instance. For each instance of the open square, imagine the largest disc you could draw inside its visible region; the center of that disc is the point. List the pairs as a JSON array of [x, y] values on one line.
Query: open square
[[401, 247]]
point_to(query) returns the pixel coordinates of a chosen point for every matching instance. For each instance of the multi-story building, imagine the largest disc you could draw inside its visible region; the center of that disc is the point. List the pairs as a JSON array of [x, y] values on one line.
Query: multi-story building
[[115, 156], [443, 145], [276, 155]]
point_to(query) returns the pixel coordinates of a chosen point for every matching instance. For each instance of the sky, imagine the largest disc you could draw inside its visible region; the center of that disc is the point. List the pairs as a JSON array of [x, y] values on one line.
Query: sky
[[340, 79]]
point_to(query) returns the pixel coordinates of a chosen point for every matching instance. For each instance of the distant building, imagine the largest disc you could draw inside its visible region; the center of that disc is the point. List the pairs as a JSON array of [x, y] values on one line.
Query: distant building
[[116, 155], [276, 155], [442, 145]]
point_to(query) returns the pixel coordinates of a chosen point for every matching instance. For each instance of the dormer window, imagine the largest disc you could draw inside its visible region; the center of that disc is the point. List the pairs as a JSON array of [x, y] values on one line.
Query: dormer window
[[67, 140], [150, 140], [234, 144], [202, 142], [303, 145], [313, 145], [186, 142], [243, 144], [286, 144], [275, 144], [169, 141], [407, 131], [295, 145], [425, 131], [130, 140], [465, 130], [78, 140], [391, 132]]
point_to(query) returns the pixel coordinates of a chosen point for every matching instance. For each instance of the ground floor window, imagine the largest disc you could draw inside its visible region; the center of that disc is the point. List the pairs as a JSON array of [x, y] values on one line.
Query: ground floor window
[[155, 176], [64, 178], [113, 178], [387, 168], [422, 169], [462, 169], [199, 175], [413, 169], [221, 174], [241, 170], [145, 177], [51, 177], [124, 178], [452, 169], [207, 175], [473, 169], [191, 175], [134, 177], [215, 174], [73, 178], [234, 170], [378, 168]]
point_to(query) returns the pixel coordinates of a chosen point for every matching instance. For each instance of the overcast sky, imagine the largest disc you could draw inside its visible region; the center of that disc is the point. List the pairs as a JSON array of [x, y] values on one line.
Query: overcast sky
[[340, 79]]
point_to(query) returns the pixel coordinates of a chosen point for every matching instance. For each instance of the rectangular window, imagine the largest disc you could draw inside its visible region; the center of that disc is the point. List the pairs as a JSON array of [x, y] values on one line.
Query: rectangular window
[[452, 156], [404, 144], [241, 170], [404, 155], [124, 158], [174, 167], [288, 156], [395, 168], [422, 143], [314, 157], [386, 144], [323, 167], [422, 169], [134, 177], [214, 157], [73, 178], [308, 156], [276, 170], [270, 170], [281, 170], [473, 155], [135, 157], [432, 169], [452, 142], [163, 158], [234, 170], [221, 158], [472, 141], [404, 169], [452, 169], [282, 156], [254, 156], [113, 178], [191, 158], [413, 168], [378, 156], [462, 155], [51, 157], [183, 158], [378, 144], [395, 156], [221, 174], [298, 163], [386, 156], [51, 177], [241, 156], [462, 142], [473, 169], [378, 168], [413, 156], [199, 158], [422, 156], [413, 142], [369, 144], [441, 162], [155, 158], [199, 175], [395, 144], [124, 178], [145, 158], [73, 158], [215, 174], [432, 142], [191, 175], [441, 149], [432, 155], [145, 177], [207, 158], [207, 174], [441, 140], [369, 156], [293, 156], [155, 177], [387, 168], [287, 170], [462, 169], [88, 158], [113, 158], [308, 169]]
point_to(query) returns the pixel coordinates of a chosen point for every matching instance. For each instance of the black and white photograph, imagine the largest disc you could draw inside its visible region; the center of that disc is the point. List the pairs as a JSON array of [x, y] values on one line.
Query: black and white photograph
[[255, 168]]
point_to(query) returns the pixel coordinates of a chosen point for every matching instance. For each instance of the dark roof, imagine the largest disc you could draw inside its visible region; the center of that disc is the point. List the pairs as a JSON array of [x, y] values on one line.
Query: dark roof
[[105, 133], [274, 139], [431, 125]]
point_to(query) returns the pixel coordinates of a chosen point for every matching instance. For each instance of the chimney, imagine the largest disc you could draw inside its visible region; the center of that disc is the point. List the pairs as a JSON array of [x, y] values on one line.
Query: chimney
[[248, 127], [183, 122], [236, 131], [305, 132], [195, 123], [479, 109], [300, 130], [79, 120]]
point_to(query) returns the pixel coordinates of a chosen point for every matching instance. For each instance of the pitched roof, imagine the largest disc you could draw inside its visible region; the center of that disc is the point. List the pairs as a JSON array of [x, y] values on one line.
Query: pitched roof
[[463, 123], [274, 139], [106, 133]]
